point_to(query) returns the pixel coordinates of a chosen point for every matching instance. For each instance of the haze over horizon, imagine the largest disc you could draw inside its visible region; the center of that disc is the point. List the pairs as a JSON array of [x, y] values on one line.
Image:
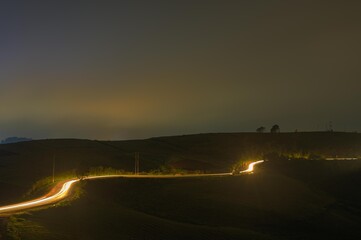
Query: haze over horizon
[[137, 69]]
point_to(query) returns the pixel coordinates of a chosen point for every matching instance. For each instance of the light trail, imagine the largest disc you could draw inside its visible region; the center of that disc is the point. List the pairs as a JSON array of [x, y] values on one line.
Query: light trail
[[65, 190], [251, 167], [160, 176]]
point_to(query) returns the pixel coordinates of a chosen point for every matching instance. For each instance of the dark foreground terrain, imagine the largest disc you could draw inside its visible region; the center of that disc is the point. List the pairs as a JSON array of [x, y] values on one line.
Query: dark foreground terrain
[[286, 199], [276, 202]]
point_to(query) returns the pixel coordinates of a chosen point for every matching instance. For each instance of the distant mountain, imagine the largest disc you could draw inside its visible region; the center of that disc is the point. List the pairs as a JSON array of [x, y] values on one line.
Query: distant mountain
[[15, 140]]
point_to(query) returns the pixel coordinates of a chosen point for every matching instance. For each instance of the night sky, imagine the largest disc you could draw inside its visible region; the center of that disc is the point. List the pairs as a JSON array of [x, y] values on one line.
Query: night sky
[[135, 69]]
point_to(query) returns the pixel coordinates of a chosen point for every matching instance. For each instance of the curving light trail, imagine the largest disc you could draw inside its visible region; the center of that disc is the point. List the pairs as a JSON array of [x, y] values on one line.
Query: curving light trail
[[251, 167], [65, 190]]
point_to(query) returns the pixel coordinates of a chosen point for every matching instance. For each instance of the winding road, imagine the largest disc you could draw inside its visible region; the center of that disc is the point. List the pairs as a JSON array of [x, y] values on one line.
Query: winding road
[[56, 195]]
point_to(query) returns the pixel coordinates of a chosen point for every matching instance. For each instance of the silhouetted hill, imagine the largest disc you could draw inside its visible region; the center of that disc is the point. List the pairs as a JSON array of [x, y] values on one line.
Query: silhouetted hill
[[15, 140]]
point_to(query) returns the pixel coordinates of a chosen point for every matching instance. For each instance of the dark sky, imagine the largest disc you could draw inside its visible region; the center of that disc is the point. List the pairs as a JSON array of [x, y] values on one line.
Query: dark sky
[[134, 69]]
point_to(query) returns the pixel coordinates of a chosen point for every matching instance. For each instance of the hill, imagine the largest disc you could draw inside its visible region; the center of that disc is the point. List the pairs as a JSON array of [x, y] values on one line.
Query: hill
[[15, 140], [22, 164], [303, 198], [277, 202]]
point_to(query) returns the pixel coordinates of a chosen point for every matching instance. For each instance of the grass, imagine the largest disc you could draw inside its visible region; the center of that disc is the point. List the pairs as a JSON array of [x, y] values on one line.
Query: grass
[[17, 227]]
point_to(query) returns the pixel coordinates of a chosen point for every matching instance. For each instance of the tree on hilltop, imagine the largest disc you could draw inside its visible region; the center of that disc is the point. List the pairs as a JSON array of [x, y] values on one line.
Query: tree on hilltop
[[275, 129], [261, 129]]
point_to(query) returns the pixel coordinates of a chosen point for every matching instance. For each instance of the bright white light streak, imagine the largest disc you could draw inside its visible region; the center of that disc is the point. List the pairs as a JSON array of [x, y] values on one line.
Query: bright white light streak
[[251, 167], [64, 191]]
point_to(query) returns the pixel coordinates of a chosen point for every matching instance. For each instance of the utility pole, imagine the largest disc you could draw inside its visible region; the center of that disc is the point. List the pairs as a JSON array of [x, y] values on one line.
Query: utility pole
[[53, 168], [136, 166]]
